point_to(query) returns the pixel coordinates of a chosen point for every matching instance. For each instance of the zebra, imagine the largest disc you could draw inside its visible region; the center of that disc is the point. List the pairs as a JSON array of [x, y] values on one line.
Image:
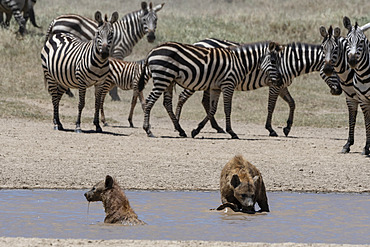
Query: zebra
[[12, 6], [198, 69], [128, 31], [124, 75], [22, 5], [358, 58], [68, 62], [256, 79]]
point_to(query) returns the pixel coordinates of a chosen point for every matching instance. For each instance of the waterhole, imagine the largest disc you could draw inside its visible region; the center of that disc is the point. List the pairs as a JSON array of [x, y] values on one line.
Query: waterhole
[[294, 217]]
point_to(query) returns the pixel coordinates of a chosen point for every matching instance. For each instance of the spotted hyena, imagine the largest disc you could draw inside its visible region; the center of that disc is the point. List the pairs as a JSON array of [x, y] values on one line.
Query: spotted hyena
[[241, 186], [116, 205]]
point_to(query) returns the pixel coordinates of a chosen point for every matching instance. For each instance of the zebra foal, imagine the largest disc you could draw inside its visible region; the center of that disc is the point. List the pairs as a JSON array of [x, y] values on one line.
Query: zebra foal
[[198, 69], [124, 75], [68, 62], [358, 58]]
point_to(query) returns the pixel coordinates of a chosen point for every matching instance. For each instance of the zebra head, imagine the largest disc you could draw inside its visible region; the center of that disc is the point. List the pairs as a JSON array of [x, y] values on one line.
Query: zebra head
[[330, 48], [149, 19], [357, 43], [270, 64], [104, 34]]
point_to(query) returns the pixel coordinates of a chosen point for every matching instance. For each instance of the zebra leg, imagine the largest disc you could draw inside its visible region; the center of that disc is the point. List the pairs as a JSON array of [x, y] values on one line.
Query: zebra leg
[[55, 98], [205, 103], [228, 97], [105, 87], [352, 106], [214, 96], [81, 105], [98, 106], [149, 103], [133, 104], [284, 93], [183, 97], [167, 102], [365, 107], [273, 94], [114, 94]]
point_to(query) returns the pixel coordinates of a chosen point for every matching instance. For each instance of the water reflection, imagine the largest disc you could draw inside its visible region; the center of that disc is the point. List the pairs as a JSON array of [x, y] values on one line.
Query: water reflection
[[294, 217]]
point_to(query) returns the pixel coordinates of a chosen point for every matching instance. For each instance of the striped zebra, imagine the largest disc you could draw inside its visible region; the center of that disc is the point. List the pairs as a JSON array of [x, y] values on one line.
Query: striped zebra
[[127, 32], [358, 58], [12, 6], [334, 51], [69, 62], [289, 68], [198, 69], [124, 75]]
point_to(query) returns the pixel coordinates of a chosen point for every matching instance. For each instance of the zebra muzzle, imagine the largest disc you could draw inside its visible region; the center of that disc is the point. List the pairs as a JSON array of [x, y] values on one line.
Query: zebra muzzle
[[151, 36], [328, 69], [105, 51], [352, 61]]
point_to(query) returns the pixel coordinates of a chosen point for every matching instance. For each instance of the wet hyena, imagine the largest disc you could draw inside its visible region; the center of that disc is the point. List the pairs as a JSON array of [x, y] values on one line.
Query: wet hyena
[[241, 186], [116, 205]]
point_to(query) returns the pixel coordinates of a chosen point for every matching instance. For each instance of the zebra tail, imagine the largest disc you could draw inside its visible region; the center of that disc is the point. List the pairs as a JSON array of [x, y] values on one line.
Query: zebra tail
[[141, 83], [32, 18]]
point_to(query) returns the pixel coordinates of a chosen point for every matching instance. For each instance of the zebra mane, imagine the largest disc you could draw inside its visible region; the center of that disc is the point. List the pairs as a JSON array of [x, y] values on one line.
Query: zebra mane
[[241, 45]]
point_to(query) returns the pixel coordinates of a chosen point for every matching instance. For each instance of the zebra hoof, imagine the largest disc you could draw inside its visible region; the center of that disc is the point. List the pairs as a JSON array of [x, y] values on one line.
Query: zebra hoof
[[105, 124], [183, 134], [234, 136], [365, 151], [99, 130], [78, 130], [286, 131], [273, 133], [58, 127], [194, 133], [345, 150], [221, 131]]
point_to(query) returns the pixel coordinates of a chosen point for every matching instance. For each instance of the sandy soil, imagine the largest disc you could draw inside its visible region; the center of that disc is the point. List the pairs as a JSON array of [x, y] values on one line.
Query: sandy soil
[[33, 155]]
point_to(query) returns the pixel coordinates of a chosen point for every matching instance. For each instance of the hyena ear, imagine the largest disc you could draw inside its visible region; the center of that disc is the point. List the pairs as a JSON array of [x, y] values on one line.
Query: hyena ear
[[235, 181], [108, 182], [323, 31], [255, 179], [347, 23]]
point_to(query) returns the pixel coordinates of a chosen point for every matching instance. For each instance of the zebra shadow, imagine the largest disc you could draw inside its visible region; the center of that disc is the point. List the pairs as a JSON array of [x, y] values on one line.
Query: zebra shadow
[[94, 132]]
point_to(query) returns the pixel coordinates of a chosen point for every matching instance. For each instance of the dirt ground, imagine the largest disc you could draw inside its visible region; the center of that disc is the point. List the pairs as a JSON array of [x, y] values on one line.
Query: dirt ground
[[33, 155]]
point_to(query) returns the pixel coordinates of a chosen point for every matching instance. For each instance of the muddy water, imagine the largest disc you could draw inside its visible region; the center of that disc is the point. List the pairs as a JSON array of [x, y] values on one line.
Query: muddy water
[[294, 217]]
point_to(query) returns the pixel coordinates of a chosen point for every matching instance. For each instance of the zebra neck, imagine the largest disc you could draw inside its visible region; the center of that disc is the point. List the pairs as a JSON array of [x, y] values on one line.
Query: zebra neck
[[341, 67], [362, 70], [133, 26], [301, 58]]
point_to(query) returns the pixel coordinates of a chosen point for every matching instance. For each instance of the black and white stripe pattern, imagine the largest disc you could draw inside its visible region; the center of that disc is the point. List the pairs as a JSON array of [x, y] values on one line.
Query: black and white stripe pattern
[[334, 52], [256, 79], [358, 57], [127, 32], [199, 69], [15, 6], [124, 75], [69, 62]]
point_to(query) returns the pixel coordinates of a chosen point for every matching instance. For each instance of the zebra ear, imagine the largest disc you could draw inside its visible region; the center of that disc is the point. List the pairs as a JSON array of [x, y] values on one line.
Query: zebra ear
[[336, 32], [347, 23], [323, 31], [144, 7], [272, 46], [158, 7], [98, 17], [114, 17]]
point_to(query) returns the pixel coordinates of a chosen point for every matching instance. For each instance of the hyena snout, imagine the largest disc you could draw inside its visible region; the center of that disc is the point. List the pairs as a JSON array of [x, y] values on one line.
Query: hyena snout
[[92, 196]]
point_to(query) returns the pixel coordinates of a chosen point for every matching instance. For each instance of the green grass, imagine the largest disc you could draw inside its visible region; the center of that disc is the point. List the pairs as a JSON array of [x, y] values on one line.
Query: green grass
[[23, 94]]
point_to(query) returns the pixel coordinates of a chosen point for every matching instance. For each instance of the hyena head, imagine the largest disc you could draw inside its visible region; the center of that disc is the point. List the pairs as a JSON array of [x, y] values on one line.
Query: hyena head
[[95, 194], [245, 192]]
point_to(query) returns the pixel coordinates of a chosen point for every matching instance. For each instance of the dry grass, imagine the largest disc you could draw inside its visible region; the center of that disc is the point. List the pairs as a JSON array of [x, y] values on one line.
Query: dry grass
[[22, 92]]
